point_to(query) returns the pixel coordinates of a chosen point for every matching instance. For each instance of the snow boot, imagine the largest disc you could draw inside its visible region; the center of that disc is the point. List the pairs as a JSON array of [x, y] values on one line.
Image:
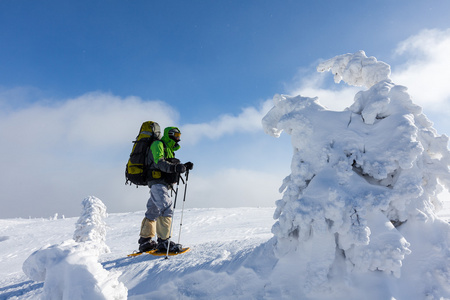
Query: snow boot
[[146, 244], [163, 244]]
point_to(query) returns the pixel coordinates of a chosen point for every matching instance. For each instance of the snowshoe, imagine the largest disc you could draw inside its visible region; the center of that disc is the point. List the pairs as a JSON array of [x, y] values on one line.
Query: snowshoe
[[163, 244]]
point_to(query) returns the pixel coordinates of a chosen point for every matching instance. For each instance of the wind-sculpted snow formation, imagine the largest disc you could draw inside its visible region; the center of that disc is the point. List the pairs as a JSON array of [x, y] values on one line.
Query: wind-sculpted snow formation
[[356, 69], [91, 225], [71, 270], [359, 179]]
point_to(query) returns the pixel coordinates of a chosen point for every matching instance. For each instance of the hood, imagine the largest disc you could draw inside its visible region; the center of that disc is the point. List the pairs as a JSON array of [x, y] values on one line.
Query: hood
[[168, 141]]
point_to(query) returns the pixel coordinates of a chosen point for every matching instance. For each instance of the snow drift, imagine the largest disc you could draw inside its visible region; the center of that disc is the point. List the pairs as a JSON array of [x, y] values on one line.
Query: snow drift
[[71, 270]]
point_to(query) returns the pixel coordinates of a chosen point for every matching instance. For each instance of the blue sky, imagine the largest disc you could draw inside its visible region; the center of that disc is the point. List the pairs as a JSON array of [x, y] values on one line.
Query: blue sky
[[80, 77], [220, 54]]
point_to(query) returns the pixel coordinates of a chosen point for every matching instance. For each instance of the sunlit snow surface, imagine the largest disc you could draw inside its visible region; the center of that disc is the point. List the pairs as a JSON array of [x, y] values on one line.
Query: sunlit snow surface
[[223, 241]]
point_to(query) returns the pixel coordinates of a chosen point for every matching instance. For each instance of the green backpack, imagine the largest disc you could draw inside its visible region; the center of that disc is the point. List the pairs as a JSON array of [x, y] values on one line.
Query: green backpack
[[136, 171]]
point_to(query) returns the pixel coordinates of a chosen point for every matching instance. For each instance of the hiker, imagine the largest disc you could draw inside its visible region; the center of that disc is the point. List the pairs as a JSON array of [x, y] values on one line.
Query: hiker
[[164, 170]]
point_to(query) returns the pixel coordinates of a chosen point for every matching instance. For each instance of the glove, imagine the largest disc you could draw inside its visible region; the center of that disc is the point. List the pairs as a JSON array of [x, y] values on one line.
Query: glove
[[180, 168], [189, 165]]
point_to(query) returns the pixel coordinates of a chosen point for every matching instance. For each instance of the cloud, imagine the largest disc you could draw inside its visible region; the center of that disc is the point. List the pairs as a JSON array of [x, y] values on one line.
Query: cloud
[[249, 120], [17, 97], [232, 187], [54, 154], [426, 71], [94, 120], [310, 83]]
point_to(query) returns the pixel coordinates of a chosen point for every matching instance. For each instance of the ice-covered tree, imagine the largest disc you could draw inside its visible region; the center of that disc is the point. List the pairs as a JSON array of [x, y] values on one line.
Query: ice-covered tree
[[358, 177], [91, 225], [71, 270]]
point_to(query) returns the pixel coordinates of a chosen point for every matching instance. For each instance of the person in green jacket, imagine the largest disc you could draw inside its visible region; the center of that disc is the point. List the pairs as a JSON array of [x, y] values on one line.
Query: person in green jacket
[[164, 172]]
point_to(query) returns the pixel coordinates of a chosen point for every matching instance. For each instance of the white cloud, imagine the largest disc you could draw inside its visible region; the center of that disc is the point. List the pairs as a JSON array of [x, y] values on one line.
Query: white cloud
[[56, 153], [94, 120], [312, 85], [249, 120], [234, 188], [426, 71]]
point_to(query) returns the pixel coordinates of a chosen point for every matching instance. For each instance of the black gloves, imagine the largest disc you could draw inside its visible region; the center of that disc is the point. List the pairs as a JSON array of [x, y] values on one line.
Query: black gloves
[[189, 165], [180, 168]]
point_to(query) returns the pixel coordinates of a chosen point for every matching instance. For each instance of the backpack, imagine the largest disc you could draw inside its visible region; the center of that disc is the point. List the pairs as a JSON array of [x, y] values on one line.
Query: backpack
[[136, 171]]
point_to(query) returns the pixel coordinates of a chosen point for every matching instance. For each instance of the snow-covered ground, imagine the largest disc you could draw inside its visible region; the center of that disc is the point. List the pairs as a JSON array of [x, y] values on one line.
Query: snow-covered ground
[[222, 241]]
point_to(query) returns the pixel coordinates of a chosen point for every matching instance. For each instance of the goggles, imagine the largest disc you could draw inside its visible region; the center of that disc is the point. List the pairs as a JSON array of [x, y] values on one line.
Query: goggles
[[175, 135]]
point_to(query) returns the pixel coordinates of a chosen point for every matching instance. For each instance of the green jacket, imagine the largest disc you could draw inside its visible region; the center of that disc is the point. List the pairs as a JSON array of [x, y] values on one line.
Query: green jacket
[[161, 158]]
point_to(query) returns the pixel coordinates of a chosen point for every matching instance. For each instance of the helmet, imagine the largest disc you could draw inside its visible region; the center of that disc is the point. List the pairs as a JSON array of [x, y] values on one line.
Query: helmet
[[175, 134]]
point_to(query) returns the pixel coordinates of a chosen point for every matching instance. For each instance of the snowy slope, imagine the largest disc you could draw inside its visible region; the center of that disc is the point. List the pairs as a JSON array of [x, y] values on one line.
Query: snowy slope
[[222, 241]]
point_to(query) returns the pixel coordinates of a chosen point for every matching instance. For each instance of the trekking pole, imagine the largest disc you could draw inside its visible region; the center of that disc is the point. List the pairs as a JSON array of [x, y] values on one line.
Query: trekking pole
[[173, 212], [182, 208]]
